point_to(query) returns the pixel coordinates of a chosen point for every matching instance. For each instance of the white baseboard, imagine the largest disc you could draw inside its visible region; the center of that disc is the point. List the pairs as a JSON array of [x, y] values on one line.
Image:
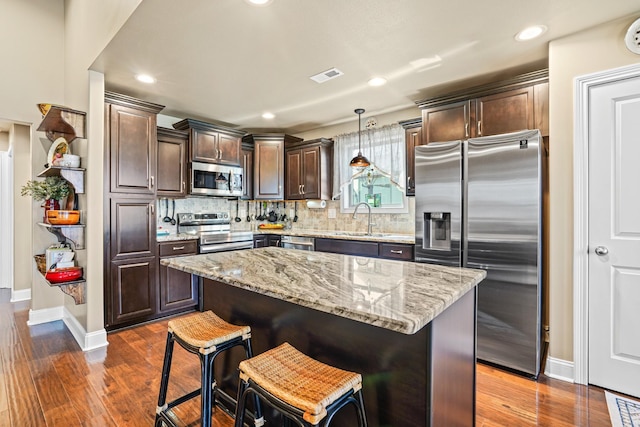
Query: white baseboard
[[559, 369], [21, 295], [86, 341], [44, 315]]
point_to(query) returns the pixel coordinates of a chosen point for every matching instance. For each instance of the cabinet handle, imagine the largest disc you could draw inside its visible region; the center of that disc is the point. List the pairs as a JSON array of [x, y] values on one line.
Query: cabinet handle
[[479, 127], [178, 248], [219, 153], [395, 252], [151, 181], [152, 210], [183, 185], [466, 130], [302, 188]]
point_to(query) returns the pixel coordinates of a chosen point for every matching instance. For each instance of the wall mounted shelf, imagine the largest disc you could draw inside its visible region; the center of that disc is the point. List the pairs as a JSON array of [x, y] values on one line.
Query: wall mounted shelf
[[67, 233], [63, 122], [77, 289], [74, 175]]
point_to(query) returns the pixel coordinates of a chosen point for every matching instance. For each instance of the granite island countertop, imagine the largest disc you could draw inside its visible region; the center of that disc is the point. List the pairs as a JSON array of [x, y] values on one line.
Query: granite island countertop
[[344, 235], [396, 295]]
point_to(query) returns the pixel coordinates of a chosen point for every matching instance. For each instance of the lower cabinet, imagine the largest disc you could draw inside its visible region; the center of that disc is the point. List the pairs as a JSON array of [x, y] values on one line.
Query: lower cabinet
[[178, 291], [264, 240], [133, 291], [397, 251]]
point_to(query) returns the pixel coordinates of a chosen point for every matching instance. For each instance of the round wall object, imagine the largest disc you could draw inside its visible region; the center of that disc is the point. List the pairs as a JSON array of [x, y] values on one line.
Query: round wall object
[[632, 38]]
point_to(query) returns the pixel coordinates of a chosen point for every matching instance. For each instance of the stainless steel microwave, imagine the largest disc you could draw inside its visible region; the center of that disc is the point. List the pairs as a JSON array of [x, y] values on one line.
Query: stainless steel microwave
[[209, 179]]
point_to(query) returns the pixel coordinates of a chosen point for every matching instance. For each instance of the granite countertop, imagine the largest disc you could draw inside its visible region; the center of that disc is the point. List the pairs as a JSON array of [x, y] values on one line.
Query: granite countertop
[[346, 235], [396, 295]]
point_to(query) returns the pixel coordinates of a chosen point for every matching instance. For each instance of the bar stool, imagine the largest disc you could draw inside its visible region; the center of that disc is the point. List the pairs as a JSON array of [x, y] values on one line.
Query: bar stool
[[302, 389], [206, 335]]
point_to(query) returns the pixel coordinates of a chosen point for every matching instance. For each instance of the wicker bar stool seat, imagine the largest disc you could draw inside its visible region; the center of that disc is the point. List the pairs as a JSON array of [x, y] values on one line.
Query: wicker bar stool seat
[[301, 388], [206, 335]]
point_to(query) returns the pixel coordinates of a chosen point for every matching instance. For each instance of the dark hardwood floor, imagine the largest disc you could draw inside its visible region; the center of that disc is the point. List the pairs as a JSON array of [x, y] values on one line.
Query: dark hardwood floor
[[46, 380]]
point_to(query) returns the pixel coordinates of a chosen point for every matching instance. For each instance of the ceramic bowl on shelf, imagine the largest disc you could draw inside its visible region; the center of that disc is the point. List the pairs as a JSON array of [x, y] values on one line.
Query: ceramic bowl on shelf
[[59, 217], [59, 275], [70, 160]]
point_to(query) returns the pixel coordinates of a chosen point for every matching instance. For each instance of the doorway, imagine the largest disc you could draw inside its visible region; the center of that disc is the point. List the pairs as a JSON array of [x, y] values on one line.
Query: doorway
[[606, 230], [6, 207]]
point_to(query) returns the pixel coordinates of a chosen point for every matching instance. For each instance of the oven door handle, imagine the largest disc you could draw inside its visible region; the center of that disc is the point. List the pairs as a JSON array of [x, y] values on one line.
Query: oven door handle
[[219, 247]]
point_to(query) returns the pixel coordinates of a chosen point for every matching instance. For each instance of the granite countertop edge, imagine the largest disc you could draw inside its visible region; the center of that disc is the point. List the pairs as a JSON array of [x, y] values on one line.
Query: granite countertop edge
[[424, 303]]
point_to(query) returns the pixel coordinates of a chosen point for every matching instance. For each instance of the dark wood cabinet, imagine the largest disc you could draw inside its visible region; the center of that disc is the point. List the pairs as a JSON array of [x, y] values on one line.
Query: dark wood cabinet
[[268, 164], [412, 138], [133, 291], [309, 169], [178, 290], [210, 143], [505, 112], [172, 163], [264, 240], [512, 105], [130, 283], [448, 122], [246, 161], [131, 133], [397, 251]]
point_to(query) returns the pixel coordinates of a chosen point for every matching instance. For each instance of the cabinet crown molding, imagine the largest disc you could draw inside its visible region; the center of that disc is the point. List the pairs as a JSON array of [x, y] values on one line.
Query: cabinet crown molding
[[129, 101], [527, 79], [200, 125]]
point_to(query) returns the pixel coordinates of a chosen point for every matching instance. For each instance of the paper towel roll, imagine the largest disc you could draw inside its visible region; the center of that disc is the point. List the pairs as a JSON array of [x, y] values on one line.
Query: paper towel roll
[[316, 204]]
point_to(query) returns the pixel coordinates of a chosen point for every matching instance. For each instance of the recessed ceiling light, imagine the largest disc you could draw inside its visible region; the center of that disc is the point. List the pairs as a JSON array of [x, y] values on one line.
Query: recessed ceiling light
[[259, 2], [268, 116], [145, 78], [531, 33], [377, 81]]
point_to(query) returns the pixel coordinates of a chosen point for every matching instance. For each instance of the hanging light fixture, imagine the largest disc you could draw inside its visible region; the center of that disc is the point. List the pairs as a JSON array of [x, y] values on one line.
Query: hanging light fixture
[[359, 161]]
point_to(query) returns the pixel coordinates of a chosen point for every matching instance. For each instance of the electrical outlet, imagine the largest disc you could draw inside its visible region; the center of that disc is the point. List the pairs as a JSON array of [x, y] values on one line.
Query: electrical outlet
[[331, 213]]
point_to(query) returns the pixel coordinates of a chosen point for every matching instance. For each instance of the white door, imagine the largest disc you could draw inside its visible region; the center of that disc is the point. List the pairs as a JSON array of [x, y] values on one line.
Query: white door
[[614, 235]]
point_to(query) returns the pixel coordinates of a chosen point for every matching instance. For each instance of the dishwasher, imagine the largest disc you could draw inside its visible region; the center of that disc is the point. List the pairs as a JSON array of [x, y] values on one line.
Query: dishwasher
[[297, 242]]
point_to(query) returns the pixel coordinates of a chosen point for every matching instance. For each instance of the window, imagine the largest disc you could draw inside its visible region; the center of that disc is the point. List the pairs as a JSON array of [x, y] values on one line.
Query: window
[[381, 184]]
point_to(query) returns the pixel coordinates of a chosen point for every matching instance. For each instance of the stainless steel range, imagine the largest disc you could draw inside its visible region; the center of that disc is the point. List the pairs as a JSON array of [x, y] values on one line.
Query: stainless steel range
[[215, 232]]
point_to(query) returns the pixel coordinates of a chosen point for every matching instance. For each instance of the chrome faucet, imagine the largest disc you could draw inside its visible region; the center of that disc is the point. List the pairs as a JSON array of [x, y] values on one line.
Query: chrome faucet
[[369, 224]]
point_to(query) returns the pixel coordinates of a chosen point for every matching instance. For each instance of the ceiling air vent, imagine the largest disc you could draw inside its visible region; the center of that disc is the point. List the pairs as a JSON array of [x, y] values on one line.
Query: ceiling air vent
[[322, 77], [632, 39]]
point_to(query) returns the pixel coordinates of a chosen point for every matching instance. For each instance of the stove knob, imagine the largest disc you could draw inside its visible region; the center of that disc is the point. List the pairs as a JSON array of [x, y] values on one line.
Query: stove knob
[[225, 215]]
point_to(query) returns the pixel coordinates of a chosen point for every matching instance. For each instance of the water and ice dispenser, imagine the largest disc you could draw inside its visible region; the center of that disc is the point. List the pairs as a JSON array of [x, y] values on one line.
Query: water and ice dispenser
[[437, 231]]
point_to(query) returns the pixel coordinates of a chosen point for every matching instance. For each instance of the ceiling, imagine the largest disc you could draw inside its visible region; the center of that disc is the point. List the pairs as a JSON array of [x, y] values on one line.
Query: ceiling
[[229, 62]]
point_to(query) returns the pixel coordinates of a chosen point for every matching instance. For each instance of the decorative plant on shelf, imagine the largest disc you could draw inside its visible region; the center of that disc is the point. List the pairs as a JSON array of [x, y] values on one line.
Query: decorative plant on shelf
[[51, 190]]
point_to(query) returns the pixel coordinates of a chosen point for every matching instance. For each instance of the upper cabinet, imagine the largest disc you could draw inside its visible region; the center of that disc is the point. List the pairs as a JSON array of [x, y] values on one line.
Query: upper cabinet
[[130, 128], [172, 163], [268, 164], [308, 168], [412, 138], [211, 143], [507, 106]]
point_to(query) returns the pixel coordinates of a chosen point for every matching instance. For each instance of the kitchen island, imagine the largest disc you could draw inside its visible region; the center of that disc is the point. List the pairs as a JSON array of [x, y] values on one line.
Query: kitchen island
[[408, 328]]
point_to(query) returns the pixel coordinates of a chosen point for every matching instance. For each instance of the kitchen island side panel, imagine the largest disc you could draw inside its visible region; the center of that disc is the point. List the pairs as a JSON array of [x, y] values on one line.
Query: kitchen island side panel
[[422, 379]]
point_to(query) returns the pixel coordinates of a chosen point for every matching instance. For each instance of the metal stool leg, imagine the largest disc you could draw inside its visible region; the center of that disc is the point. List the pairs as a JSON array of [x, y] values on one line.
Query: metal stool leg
[[166, 369]]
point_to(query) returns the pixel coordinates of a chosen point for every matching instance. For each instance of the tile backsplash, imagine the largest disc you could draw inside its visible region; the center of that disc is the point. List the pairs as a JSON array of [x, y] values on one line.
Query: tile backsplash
[[308, 219]]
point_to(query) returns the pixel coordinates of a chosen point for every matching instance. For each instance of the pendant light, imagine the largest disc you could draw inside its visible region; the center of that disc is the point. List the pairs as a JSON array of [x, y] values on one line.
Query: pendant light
[[359, 161]]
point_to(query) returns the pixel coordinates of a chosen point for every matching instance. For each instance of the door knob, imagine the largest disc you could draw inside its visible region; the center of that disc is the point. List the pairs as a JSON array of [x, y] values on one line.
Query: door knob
[[601, 250]]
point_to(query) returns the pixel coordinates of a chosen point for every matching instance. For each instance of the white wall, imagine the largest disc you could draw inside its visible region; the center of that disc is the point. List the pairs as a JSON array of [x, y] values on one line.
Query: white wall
[[597, 49]]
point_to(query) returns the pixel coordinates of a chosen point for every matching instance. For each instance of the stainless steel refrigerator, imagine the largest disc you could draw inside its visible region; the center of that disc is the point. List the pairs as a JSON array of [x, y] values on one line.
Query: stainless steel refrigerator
[[478, 204]]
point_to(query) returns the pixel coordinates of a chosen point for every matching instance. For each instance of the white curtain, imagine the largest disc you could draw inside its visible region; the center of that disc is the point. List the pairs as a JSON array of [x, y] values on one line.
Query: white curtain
[[384, 147]]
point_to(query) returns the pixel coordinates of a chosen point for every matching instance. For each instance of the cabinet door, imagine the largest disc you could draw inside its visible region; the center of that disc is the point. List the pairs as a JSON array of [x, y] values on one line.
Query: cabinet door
[[247, 173], [228, 149], [178, 291], [133, 290], [447, 122], [269, 170], [413, 138], [132, 155], [132, 226], [204, 146], [505, 112], [396, 251], [172, 161], [311, 173], [260, 241], [294, 175], [541, 108]]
